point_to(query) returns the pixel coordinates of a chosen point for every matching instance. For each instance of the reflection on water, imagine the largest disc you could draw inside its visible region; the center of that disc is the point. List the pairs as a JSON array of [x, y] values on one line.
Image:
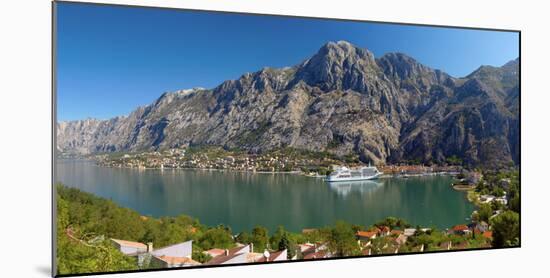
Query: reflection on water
[[243, 200], [363, 187]]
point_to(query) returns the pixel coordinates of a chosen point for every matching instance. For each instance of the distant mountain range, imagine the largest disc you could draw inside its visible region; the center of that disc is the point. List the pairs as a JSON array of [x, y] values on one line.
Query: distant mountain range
[[341, 100]]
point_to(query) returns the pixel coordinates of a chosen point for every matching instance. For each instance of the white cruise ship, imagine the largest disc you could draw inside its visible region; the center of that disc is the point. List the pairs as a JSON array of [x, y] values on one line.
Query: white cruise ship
[[346, 174]]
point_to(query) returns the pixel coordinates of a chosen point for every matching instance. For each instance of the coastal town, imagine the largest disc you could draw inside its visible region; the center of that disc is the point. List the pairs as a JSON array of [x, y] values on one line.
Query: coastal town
[[315, 164], [377, 240]]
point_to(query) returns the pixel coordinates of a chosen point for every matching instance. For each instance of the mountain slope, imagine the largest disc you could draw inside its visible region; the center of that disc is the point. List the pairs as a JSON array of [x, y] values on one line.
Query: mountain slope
[[340, 100]]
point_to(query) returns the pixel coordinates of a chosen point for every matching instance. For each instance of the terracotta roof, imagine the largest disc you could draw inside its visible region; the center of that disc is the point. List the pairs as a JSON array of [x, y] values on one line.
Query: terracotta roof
[[384, 228], [488, 234], [366, 234], [178, 260], [215, 252], [460, 228], [129, 243]]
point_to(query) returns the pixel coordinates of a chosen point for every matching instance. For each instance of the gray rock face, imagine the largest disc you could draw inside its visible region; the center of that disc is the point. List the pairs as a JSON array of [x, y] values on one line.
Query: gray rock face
[[341, 100]]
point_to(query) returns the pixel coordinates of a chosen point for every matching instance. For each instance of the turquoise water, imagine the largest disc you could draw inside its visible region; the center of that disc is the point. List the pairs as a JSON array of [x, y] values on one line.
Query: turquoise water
[[243, 200]]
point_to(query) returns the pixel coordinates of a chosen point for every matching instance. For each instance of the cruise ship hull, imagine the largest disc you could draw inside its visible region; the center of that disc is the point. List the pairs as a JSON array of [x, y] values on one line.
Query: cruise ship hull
[[330, 179]]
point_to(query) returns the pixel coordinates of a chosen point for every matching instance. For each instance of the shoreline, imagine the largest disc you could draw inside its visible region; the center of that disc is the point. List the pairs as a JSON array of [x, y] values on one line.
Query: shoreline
[[300, 173]]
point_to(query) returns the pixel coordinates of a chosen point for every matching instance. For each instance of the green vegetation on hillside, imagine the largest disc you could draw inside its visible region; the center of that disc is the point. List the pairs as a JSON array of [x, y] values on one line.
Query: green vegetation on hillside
[[503, 217], [85, 223]]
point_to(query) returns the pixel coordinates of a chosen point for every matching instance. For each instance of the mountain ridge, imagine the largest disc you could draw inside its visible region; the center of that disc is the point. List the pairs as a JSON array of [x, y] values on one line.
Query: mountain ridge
[[342, 100]]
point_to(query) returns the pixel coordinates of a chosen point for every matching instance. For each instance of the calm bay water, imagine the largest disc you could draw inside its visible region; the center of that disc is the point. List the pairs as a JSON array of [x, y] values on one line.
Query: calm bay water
[[243, 200]]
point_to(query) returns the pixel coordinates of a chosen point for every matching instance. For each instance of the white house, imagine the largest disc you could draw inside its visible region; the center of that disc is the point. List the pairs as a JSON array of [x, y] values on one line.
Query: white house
[[176, 255], [129, 247]]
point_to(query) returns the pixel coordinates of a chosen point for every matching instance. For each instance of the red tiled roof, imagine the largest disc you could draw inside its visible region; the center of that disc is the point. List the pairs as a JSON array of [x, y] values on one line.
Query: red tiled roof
[[460, 228], [366, 234], [488, 234]]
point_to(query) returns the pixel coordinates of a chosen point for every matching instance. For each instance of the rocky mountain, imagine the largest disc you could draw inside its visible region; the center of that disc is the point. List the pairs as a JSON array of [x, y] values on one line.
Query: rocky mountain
[[342, 100]]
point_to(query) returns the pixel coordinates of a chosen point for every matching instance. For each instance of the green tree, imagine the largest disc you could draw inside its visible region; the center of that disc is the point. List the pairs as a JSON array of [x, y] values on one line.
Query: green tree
[[244, 238], [282, 240], [199, 256], [216, 238], [515, 203], [498, 191], [276, 237], [76, 253], [260, 238], [505, 229], [290, 246], [394, 222], [75, 257], [342, 240], [484, 212]]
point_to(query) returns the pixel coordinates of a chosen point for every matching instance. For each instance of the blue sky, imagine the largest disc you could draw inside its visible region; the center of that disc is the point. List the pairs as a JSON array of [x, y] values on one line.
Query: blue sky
[[112, 59]]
